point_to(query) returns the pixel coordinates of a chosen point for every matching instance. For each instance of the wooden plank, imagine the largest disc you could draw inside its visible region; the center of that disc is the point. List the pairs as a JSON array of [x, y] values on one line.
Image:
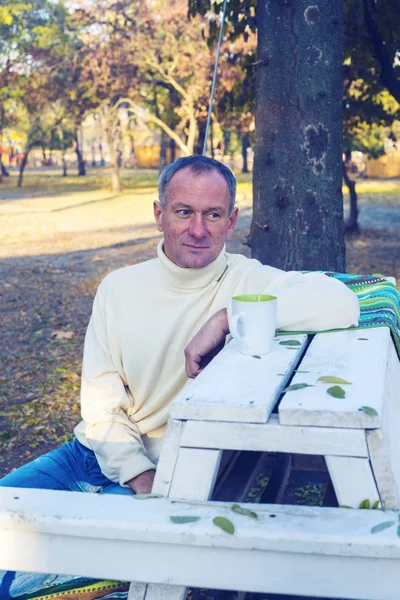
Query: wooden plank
[[239, 388], [352, 480], [165, 592], [342, 354], [137, 591], [195, 473], [384, 444], [273, 437], [168, 457], [122, 538], [301, 529]]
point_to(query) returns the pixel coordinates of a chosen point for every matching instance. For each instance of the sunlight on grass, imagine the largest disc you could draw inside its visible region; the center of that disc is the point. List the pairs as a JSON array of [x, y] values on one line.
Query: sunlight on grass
[[55, 214]]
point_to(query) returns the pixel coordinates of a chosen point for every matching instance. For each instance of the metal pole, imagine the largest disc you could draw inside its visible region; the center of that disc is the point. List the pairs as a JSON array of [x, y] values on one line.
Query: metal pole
[[214, 78]]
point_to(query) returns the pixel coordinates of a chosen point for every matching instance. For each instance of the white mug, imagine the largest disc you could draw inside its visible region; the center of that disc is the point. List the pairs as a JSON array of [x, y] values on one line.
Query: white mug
[[253, 322]]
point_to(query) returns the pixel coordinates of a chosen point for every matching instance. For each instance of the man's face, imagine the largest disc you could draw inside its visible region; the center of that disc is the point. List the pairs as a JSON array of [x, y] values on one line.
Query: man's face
[[196, 220]]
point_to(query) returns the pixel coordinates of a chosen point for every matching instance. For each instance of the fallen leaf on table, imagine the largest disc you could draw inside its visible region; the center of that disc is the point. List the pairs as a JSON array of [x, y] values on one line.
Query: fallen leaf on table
[[331, 379], [336, 391], [297, 386], [369, 411], [382, 526], [59, 334], [224, 524], [182, 520]]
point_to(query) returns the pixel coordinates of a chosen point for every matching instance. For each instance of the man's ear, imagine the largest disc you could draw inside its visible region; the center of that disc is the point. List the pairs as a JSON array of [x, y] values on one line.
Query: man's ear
[[233, 217], [158, 215]]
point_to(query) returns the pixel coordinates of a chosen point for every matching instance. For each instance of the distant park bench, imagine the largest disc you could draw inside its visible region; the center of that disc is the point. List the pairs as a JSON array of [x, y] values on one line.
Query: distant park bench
[[239, 403]]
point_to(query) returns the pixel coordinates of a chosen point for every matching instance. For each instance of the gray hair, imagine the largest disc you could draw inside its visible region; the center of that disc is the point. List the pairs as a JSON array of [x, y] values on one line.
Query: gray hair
[[198, 164]]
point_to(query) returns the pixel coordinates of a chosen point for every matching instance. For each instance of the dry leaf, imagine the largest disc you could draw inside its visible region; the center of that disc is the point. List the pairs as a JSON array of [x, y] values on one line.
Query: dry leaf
[[59, 334]]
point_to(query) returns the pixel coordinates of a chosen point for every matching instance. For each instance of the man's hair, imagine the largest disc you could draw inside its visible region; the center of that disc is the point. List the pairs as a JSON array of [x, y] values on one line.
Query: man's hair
[[198, 165]]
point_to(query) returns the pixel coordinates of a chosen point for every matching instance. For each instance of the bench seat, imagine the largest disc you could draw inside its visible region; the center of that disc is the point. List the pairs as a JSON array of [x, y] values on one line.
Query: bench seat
[[326, 552]]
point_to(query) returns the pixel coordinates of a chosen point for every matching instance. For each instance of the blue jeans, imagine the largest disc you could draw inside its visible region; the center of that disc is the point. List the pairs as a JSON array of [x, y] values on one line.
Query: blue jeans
[[72, 467]]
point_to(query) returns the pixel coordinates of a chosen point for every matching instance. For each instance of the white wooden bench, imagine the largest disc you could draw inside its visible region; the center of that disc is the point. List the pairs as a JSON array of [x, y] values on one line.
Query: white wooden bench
[[322, 552], [290, 550]]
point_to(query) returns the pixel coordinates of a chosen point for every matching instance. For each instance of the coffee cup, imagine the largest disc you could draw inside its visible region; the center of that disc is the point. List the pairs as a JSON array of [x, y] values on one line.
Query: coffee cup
[[253, 322]]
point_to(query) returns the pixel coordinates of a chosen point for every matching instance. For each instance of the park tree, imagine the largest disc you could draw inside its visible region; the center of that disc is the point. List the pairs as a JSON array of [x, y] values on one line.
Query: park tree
[[297, 207], [371, 83]]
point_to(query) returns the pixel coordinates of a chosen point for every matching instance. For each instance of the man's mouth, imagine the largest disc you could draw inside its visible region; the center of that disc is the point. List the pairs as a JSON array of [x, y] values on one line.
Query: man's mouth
[[193, 247]]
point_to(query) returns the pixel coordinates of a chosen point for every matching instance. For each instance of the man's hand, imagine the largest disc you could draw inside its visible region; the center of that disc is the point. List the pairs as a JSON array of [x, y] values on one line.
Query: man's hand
[[143, 483], [206, 343]]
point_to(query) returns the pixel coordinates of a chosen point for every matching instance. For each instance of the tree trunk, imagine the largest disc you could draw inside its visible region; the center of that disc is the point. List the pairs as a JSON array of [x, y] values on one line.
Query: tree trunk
[[162, 161], [172, 151], [245, 146], [23, 164], [297, 178], [81, 162], [3, 170], [352, 222], [115, 178], [64, 162]]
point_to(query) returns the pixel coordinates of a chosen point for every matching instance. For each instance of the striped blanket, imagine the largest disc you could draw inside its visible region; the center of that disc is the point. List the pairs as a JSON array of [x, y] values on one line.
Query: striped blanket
[[379, 302]]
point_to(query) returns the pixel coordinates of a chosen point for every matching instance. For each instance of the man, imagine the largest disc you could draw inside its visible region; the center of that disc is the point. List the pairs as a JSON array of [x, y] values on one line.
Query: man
[[157, 323]]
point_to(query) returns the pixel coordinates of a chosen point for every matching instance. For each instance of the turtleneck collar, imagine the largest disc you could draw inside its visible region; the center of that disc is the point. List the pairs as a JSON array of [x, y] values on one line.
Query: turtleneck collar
[[190, 279]]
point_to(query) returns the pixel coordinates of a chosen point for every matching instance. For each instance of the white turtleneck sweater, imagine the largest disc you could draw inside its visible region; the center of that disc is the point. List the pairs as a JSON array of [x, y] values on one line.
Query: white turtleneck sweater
[[144, 316]]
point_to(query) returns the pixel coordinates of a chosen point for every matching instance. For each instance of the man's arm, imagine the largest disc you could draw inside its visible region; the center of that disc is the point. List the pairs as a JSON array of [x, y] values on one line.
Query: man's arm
[[206, 343], [306, 302], [106, 403]]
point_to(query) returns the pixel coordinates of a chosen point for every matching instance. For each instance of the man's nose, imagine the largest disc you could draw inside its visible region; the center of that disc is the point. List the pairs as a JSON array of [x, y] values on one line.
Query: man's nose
[[198, 227]]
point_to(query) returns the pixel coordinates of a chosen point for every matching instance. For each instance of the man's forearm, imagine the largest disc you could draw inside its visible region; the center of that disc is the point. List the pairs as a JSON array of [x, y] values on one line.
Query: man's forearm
[[206, 343]]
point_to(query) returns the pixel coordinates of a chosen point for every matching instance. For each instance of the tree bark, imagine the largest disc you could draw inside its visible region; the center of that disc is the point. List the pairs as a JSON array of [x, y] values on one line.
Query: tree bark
[[79, 156], [115, 177], [352, 222], [162, 161], [297, 177], [23, 164], [245, 146], [64, 162], [3, 170]]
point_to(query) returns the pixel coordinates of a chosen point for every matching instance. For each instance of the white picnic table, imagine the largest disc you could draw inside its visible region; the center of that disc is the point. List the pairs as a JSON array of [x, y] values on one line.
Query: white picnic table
[[239, 402]]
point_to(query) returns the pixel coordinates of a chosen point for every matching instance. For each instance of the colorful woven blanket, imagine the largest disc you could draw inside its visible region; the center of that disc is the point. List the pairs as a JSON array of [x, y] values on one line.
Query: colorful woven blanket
[[82, 589], [379, 302]]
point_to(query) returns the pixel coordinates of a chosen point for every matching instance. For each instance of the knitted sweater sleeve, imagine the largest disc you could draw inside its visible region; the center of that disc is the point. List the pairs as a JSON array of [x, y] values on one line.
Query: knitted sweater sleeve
[[105, 404], [313, 302], [306, 301]]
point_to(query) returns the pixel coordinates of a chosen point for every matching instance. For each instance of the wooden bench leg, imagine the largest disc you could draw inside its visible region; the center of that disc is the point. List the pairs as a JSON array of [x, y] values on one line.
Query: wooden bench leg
[[352, 480], [192, 477]]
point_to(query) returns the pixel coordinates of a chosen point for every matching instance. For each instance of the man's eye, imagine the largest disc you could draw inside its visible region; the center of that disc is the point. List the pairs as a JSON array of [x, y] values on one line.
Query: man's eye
[[183, 212], [214, 216]]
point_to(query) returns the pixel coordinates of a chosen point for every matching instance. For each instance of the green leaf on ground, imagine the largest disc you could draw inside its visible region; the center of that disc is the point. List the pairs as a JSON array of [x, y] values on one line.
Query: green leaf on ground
[[382, 526], [290, 343], [182, 520], [146, 496], [336, 391], [297, 386], [332, 379], [243, 511], [255, 356], [298, 371], [365, 504], [375, 505], [224, 524], [369, 411]]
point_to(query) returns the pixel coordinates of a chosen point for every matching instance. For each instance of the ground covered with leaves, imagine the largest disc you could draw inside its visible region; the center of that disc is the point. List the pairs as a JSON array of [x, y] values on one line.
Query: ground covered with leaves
[[59, 239]]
